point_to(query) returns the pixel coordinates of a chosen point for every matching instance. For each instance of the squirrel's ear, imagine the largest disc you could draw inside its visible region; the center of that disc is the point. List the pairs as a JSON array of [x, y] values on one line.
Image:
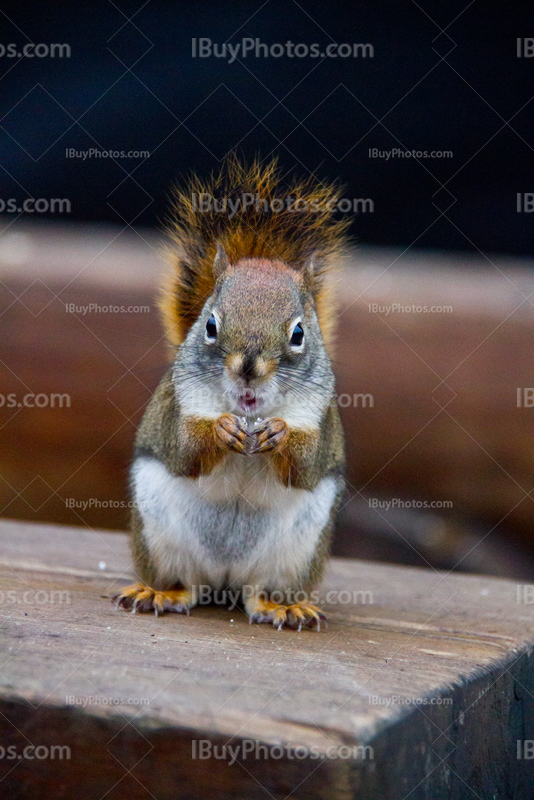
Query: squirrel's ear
[[309, 272], [221, 261]]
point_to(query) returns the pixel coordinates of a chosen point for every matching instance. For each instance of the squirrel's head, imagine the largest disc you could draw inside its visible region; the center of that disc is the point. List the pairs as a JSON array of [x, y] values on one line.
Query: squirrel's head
[[258, 338]]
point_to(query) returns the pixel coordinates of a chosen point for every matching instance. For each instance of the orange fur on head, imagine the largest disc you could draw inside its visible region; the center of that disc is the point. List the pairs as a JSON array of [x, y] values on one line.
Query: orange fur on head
[[256, 231]]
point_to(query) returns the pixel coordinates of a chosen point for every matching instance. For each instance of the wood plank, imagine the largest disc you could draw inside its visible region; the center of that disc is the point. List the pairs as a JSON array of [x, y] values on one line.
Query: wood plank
[[461, 640]]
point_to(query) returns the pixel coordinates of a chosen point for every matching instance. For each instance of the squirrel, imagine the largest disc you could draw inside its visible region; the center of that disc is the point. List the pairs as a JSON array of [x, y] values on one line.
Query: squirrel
[[238, 466]]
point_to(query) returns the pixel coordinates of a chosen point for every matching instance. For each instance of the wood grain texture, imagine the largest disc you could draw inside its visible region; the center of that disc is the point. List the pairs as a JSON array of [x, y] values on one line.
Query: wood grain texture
[[457, 647]]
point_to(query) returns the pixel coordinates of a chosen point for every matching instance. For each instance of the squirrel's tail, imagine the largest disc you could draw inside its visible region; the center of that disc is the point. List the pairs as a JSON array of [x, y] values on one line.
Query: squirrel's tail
[[248, 212]]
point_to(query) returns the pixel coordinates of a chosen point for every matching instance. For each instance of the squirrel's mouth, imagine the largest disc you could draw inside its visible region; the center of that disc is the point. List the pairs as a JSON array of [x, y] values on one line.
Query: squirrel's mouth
[[248, 401]]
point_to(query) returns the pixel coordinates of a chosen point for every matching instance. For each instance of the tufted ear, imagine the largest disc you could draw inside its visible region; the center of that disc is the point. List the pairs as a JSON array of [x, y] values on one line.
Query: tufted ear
[[221, 261], [310, 273]]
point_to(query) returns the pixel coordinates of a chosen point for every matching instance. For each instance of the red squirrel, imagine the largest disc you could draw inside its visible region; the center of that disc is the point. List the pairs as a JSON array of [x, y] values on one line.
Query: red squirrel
[[237, 473]]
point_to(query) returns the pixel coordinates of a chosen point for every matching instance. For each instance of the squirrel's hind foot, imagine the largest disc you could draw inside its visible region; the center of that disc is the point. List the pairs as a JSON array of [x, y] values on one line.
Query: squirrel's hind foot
[[296, 616], [142, 598]]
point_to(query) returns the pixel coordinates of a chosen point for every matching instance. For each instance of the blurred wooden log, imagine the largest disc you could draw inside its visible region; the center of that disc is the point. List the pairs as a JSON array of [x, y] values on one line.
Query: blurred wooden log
[[107, 362], [438, 700], [445, 423], [462, 441]]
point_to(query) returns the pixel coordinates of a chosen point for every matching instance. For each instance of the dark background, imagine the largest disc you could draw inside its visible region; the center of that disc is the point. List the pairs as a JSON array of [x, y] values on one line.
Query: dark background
[[444, 76]]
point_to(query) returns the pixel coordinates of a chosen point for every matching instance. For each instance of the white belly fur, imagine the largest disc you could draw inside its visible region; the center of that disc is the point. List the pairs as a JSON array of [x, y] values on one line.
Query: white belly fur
[[238, 526]]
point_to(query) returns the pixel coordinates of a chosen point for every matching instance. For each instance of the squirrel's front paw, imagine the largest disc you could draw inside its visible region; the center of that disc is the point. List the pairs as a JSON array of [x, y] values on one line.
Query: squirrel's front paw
[[231, 431], [268, 435]]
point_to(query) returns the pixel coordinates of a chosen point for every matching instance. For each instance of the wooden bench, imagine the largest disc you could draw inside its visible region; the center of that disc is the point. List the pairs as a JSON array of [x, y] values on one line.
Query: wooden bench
[[422, 686]]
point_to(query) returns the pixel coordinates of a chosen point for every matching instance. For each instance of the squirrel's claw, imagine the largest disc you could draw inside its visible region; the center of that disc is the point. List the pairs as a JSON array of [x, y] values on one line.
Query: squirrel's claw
[[296, 616], [144, 599], [305, 615], [270, 434], [231, 431]]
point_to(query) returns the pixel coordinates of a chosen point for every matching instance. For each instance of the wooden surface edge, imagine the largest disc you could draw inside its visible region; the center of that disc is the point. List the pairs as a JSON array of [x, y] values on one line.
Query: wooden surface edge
[[423, 749]]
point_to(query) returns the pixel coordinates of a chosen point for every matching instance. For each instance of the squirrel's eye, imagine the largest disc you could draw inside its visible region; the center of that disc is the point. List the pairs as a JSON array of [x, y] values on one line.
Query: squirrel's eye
[[297, 337], [211, 329]]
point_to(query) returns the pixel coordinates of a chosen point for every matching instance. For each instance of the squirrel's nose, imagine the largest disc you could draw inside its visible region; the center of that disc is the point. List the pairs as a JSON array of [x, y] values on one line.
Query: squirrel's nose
[[248, 367], [248, 371]]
